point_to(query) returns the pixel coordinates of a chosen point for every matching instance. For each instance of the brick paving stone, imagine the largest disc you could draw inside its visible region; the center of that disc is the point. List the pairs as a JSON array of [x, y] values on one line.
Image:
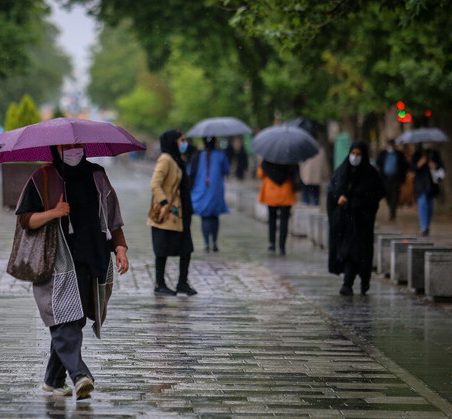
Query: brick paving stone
[[255, 342]]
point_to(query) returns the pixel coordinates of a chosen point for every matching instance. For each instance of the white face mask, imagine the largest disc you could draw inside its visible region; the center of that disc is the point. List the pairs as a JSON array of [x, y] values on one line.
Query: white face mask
[[73, 156], [354, 159]]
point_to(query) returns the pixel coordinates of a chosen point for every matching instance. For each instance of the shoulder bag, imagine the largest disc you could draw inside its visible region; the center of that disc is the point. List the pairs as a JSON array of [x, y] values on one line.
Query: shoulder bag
[[34, 251], [154, 212]]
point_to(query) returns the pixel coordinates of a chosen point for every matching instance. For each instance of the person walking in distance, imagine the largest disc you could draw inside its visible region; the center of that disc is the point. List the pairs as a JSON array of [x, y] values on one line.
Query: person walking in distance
[[171, 234], [429, 172], [277, 192], [89, 229], [393, 167], [208, 171], [353, 198]]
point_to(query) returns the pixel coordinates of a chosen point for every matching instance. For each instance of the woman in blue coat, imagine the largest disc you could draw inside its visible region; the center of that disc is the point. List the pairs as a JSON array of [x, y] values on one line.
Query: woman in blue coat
[[207, 172]]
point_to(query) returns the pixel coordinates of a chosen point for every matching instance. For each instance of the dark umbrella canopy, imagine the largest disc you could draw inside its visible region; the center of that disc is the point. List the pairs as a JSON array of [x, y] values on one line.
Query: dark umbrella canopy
[[284, 144], [31, 143], [225, 126], [422, 135]]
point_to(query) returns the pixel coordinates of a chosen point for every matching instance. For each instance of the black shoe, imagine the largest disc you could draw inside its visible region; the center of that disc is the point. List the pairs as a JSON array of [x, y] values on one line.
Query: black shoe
[[207, 249], [364, 289], [215, 248], [346, 290], [271, 248], [163, 290], [282, 252], [425, 233], [186, 289]]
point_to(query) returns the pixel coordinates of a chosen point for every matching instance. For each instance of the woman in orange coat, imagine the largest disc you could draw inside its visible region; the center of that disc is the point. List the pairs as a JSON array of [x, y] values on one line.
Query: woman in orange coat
[[277, 192]]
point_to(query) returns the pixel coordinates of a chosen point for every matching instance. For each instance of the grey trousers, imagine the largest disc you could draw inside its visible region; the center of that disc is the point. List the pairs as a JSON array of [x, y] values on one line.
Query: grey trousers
[[66, 353]]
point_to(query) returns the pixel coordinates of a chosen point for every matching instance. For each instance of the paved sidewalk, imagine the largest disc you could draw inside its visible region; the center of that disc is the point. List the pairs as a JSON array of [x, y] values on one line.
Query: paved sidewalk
[[266, 336]]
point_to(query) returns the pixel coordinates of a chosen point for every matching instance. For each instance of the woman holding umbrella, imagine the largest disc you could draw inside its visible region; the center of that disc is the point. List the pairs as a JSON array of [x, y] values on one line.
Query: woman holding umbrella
[[277, 192], [89, 229], [352, 203]]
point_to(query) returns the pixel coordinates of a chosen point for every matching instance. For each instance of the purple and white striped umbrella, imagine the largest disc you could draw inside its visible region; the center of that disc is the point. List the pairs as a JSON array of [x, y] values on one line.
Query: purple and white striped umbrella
[[31, 143]]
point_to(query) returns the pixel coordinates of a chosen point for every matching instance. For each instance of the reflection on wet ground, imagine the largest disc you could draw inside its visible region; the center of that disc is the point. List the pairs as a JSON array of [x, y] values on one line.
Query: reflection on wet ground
[[266, 336]]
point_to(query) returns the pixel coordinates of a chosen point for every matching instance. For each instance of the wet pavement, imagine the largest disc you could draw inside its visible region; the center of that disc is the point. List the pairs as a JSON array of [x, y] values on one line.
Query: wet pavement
[[266, 336]]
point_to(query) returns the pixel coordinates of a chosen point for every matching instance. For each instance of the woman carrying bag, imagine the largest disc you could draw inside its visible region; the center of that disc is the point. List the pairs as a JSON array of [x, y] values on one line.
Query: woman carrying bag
[[76, 196], [170, 213]]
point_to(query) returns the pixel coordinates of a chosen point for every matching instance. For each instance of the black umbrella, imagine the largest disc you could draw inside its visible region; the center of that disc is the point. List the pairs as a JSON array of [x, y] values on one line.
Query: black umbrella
[[284, 144]]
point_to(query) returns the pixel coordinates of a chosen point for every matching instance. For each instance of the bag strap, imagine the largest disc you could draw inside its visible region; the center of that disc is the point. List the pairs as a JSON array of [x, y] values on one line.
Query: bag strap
[[45, 188]]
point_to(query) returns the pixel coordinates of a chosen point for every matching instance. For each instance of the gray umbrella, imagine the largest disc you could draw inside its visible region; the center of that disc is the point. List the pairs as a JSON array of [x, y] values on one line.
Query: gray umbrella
[[422, 135], [285, 145], [219, 127]]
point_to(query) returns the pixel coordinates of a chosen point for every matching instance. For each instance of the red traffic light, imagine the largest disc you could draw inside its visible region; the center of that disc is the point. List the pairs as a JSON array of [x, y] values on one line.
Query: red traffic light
[[428, 113], [400, 105]]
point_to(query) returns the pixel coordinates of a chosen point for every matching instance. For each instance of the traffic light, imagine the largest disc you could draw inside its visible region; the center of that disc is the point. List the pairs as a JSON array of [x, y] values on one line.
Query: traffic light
[[402, 115]]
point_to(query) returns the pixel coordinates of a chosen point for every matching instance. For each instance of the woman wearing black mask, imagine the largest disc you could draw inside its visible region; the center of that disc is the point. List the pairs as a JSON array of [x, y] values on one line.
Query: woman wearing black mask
[[78, 196], [171, 235], [353, 198]]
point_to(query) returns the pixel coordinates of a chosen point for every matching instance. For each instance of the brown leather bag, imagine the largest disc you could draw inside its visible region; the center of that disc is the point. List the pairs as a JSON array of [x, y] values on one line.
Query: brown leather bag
[[34, 251], [154, 211]]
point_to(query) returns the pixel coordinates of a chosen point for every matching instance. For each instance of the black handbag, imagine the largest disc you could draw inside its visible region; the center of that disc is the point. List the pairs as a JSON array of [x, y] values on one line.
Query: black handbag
[[34, 251]]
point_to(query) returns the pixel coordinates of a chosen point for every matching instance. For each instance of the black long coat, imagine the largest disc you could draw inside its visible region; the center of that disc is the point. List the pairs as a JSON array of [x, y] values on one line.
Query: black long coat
[[351, 233]]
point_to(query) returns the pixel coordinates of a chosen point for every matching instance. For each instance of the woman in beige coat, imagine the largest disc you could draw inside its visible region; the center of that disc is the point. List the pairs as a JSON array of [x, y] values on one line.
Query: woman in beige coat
[[171, 235]]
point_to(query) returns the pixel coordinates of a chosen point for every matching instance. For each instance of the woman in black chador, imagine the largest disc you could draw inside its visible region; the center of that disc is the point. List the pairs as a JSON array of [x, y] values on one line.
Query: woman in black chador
[[353, 198]]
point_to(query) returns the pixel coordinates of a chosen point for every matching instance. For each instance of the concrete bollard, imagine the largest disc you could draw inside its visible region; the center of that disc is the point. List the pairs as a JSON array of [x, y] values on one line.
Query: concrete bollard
[[383, 251], [325, 233], [416, 264], [298, 225], [398, 264], [438, 281], [379, 232], [314, 227]]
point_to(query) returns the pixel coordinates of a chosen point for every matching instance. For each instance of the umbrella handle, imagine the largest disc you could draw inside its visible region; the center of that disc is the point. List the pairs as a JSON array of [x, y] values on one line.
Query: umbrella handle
[[70, 227]]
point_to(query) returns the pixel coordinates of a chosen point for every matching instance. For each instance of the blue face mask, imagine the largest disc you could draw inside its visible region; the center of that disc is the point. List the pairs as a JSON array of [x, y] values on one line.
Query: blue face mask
[[183, 147]]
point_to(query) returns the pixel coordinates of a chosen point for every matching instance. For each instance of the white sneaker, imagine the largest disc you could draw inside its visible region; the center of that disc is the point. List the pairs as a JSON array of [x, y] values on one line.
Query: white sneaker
[[83, 387], [60, 391]]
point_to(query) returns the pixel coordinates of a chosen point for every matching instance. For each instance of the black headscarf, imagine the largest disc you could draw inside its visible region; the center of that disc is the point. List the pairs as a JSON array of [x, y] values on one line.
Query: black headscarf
[[168, 144], [278, 173], [88, 244]]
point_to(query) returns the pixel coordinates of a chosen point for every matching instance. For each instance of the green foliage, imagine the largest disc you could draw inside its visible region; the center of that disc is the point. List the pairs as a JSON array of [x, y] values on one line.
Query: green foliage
[[11, 118], [191, 91], [117, 61], [145, 108], [17, 32], [25, 113], [42, 74], [205, 37]]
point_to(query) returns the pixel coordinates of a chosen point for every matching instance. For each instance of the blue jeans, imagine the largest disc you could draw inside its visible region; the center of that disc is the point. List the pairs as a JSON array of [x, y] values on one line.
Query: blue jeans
[[425, 210]]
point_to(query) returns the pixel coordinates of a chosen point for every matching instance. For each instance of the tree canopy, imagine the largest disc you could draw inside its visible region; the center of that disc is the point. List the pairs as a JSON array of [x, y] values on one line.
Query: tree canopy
[[328, 59], [30, 61]]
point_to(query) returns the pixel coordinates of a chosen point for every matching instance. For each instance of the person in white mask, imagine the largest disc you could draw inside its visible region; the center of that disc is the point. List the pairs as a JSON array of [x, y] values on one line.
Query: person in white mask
[[77, 195], [352, 203]]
